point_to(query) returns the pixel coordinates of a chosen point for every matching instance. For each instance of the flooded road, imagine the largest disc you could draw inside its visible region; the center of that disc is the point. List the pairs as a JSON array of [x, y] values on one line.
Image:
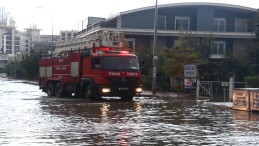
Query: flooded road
[[29, 117]]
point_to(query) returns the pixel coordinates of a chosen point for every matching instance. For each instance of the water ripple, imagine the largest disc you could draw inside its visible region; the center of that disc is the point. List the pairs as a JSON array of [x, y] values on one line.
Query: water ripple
[[29, 117]]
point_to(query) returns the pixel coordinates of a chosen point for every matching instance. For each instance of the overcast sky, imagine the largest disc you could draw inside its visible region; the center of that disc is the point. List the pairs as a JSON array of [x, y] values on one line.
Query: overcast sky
[[67, 14]]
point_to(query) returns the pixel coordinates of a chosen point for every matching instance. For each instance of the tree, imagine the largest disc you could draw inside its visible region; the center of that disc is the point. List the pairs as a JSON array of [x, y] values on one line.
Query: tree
[[10, 68], [27, 68], [145, 58], [187, 51]]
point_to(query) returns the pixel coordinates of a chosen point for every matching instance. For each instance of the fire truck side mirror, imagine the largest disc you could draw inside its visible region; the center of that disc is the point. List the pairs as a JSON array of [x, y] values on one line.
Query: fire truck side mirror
[[97, 66]]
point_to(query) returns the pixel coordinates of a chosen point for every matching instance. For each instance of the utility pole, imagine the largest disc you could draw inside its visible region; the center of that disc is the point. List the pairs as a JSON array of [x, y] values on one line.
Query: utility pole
[[155, 58]]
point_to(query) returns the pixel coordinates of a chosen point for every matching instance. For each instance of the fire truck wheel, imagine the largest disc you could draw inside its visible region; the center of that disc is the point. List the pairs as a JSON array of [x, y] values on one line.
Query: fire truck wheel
[[88, 93], [59, 90], [50, 89]]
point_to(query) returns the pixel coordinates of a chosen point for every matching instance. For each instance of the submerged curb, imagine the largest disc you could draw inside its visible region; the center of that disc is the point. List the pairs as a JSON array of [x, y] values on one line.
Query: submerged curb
[[158, 94]]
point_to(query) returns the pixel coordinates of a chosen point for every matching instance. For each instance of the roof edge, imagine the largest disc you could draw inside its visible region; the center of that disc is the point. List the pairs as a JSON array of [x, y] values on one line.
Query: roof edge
[[184, 4]]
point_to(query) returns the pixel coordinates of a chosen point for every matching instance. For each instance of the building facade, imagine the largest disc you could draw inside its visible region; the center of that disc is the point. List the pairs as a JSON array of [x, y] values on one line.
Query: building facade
[[13, 44], [7, 45], [67, 35], [231, 26]]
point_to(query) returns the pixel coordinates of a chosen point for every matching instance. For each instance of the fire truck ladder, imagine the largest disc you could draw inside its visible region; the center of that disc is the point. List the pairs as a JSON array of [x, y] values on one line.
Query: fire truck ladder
[[107, 39]]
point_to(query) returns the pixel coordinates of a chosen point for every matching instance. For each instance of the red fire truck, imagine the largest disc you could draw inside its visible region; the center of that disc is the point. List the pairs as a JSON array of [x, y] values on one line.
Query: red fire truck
[[91, 67]]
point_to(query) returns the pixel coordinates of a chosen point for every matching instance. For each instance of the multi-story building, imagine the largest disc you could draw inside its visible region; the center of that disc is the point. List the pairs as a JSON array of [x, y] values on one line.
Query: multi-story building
[[13, 44], [33, 33], [7, 39], [230, 26], [7, 45], [21, 45], [67, 35], [40, 42], [24, 42]]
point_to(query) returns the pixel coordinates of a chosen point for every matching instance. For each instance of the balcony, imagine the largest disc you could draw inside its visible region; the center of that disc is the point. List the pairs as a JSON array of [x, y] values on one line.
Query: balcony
[[237, 31]]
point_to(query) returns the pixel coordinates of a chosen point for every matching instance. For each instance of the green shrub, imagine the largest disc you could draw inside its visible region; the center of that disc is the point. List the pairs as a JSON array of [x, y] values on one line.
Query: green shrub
[[252, 81]]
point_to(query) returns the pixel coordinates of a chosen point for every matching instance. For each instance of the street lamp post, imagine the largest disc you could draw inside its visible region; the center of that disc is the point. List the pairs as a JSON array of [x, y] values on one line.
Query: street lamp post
[[155, 58], [52, 37]]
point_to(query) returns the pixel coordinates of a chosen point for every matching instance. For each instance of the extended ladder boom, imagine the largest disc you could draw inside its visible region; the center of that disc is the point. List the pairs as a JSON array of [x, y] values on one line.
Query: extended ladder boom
[[105, 39]]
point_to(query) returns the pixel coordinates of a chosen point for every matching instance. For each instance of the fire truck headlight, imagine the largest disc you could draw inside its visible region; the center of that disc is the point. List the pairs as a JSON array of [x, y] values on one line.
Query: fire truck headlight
[[138, 90], [106, 90]]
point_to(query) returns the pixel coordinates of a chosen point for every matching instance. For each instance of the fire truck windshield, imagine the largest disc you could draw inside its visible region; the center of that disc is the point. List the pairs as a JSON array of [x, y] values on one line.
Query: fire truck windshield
[[120, 63]]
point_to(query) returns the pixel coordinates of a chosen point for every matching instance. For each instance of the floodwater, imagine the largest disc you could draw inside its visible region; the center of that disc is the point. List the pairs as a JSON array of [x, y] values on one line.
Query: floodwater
[[29, 117]]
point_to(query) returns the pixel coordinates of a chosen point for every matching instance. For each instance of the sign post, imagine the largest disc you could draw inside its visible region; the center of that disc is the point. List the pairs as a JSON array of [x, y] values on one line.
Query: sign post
[[190, 75]]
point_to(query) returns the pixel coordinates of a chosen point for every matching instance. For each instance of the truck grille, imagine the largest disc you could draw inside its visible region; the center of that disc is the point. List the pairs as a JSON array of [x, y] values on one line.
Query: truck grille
[[123, 81]]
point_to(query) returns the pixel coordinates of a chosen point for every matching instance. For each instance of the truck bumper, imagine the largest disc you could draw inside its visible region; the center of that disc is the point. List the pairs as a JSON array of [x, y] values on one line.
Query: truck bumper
[[118, 90]]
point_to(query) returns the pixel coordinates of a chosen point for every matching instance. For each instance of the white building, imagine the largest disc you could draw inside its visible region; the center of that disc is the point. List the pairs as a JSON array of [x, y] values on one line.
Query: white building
[[7, 34], [12, 42], [67, 35], [7, 45], [33, 33]]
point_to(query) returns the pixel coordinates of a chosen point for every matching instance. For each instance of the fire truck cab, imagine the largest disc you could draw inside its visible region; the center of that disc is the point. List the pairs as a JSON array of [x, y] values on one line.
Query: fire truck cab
[[91, 72]]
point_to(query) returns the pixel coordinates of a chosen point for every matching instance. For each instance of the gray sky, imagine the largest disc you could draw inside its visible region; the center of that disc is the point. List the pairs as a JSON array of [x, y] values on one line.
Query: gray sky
[[67, 14]]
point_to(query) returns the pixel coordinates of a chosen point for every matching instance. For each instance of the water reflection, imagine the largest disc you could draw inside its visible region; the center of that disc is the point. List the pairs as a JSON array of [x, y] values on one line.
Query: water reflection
[[103, 121], [104, 110], [245, 116]]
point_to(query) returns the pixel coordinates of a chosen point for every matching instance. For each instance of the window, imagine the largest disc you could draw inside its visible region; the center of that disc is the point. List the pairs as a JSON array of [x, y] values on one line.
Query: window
[[8, 37], [131, 44], [120, 63], [161, 23], [219, 25], [175, 43], [240, 25], [182, 23], [218, 49]]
